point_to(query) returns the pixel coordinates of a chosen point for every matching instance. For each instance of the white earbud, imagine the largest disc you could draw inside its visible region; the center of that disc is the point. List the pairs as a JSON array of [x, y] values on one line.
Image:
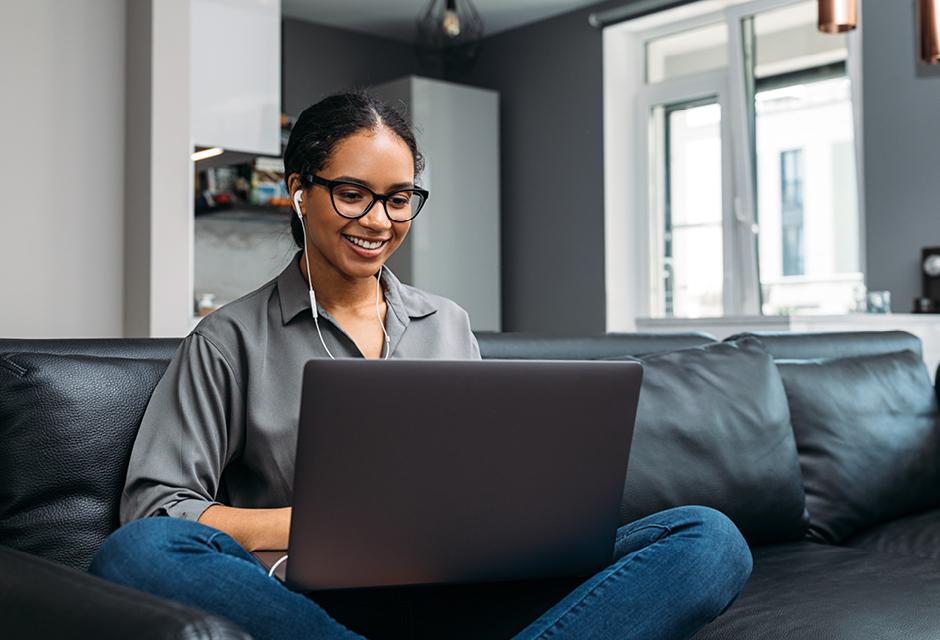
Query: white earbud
[[297, 197]]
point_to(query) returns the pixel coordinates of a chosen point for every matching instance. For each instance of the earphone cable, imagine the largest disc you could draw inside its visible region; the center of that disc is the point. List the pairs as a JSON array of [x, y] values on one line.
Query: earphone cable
[[313, 299]]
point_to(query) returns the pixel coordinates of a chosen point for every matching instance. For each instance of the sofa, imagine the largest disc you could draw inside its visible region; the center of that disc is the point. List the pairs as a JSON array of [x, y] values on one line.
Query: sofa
[[823, 448]]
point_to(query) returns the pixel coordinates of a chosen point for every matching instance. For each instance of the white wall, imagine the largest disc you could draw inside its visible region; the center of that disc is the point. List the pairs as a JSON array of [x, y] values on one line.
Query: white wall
[[61, 168]]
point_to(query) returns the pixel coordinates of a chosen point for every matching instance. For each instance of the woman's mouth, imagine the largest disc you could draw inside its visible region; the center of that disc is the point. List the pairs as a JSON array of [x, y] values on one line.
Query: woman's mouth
[[365, 248]]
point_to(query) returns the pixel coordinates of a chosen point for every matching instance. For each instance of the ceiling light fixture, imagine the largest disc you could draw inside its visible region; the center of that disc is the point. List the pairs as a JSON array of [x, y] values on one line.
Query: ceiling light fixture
[[449, 33], [838, 16], [929, 26]]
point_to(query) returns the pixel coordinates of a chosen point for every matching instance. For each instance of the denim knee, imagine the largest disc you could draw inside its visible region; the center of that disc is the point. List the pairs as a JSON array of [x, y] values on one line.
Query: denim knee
[[135, 551], [721, 552]]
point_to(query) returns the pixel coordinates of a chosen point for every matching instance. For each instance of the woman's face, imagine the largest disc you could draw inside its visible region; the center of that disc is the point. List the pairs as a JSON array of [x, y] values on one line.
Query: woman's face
[[380, 160]]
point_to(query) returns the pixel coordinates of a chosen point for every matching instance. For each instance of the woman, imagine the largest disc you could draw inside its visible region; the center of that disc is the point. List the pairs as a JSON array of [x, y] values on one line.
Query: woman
[[215, 450]]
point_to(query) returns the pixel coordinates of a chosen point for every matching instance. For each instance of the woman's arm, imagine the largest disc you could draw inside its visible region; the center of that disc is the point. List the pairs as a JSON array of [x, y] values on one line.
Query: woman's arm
[[254, 529], [193, 426]]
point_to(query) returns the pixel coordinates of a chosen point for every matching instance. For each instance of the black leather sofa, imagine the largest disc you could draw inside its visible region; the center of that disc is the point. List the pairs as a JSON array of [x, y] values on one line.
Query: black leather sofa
[[824, 449]]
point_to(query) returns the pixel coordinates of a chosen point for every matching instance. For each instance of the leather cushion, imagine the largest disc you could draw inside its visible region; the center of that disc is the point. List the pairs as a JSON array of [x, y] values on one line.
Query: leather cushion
[[713, 428], [67, 424], [917, 535], [867, 432], [809, 591]]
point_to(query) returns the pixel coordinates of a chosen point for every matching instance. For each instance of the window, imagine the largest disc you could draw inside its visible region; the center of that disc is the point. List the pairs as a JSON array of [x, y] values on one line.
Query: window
[[692, 214], [747, 151]]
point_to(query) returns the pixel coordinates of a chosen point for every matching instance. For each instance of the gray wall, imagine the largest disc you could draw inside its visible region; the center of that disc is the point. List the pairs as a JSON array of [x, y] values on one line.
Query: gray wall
[[61, 170], [550, 79], [902, 150], [318, 60]]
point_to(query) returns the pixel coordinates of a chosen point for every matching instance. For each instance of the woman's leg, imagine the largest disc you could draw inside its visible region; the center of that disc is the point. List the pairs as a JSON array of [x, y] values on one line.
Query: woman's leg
[[202, 567], [674, 572]]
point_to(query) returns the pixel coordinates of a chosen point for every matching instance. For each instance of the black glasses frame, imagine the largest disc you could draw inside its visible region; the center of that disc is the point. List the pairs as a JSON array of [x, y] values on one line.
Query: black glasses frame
[[311, 179]]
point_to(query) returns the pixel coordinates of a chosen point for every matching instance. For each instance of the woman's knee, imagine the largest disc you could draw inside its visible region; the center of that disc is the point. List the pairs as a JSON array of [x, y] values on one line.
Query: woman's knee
[[721, 553], [134, 552]]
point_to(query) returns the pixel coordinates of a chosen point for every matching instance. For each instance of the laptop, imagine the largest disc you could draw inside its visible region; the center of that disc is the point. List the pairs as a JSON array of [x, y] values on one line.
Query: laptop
[[421, 472]]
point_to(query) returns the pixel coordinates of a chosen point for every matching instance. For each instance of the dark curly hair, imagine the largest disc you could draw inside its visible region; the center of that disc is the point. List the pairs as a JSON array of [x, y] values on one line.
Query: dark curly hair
[[324, 125]]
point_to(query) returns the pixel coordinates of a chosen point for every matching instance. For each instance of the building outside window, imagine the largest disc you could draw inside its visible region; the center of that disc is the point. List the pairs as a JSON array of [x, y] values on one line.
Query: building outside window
[[791, 211]]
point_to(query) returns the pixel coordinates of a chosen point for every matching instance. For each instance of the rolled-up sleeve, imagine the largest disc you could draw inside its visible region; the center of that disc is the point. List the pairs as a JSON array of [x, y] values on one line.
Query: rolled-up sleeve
[[191, 429]]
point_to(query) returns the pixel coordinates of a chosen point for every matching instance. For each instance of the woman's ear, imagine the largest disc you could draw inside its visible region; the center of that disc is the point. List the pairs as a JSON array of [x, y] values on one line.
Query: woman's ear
[[294, 184]]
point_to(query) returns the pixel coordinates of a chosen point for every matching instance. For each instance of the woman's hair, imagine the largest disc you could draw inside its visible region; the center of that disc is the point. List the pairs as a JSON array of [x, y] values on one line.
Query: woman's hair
[[324, 125]]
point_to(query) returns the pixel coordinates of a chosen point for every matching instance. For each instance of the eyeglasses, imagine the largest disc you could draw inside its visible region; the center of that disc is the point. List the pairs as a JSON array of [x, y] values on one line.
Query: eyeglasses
[[353, 200]]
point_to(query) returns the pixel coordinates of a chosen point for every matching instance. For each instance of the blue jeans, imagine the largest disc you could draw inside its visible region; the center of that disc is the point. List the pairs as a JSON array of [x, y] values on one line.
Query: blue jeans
[[672, 573]]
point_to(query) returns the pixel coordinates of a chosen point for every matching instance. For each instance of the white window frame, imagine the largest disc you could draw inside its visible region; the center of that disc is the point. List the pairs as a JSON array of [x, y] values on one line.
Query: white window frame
[[628, 101], [697, 87]]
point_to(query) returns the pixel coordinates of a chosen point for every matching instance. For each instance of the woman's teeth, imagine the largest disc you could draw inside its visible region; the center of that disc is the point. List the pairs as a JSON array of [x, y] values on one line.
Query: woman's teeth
[[364, 243]]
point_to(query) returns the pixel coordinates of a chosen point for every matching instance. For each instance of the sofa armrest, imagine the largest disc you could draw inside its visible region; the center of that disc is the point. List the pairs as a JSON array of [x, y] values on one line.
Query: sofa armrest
[[42, 599]]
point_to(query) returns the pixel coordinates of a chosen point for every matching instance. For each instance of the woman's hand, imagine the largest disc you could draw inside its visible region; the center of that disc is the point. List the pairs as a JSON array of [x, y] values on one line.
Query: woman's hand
[[253, 529]]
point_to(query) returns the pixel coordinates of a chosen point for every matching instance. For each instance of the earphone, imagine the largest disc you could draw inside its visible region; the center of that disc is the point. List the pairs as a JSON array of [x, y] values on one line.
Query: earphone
[[298, 196]]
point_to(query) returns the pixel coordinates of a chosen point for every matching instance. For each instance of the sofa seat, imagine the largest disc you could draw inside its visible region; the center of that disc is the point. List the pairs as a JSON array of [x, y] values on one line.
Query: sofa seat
[[917, 535], [810, 591]]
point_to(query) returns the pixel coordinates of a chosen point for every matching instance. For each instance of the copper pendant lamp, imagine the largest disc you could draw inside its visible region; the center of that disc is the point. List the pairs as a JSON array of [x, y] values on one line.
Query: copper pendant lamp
[[838, 16], [929, 24]]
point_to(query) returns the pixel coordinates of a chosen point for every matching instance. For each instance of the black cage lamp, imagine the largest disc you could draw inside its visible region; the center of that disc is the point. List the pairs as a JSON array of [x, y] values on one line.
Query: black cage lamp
[[449, 32]]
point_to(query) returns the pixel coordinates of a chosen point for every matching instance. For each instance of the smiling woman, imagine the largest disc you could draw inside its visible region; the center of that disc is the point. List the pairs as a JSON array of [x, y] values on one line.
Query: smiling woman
[[346, 154], [217, 445]]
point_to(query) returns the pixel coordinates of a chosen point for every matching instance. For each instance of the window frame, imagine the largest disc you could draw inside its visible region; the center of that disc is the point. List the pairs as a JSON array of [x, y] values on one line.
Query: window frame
[[707, 85], [741, 290]]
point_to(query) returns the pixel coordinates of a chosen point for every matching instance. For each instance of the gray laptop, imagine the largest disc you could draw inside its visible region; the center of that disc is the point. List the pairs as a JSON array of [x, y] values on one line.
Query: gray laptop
[[416, 472]]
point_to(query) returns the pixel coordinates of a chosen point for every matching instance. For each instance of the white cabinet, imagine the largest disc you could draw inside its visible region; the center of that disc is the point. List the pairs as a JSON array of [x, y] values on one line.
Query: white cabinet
[[453, 248], [235, 97]]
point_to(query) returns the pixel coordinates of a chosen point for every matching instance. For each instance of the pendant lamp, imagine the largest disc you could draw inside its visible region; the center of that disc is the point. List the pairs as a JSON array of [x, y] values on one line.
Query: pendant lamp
[[838, 16], [929, 26], [450, 31]]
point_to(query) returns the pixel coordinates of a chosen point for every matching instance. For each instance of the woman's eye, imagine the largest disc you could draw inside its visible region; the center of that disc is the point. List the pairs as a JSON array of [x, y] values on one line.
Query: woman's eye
[[399, 201], [350, 196]]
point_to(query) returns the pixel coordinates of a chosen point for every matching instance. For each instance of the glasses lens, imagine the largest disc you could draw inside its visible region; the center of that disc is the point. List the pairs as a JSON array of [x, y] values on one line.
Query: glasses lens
[[404, 205], [351, 200]]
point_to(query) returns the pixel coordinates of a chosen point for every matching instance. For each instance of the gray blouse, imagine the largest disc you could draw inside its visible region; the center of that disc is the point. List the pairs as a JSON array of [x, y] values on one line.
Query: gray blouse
[[221, 426]]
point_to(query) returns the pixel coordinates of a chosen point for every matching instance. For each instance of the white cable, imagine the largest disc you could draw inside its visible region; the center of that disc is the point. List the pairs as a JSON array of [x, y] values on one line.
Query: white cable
[[276, 565], [313, 296], [378, 315], [313, 300]]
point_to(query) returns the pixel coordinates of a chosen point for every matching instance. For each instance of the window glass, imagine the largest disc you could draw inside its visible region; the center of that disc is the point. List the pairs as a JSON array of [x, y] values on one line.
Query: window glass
[[689, 220], [805, 166]]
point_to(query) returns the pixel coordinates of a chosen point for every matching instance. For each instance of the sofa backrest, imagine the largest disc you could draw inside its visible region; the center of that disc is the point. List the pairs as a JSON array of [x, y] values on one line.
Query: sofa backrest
[[512, 346], [837, 344], [531, 346], [150, 348]]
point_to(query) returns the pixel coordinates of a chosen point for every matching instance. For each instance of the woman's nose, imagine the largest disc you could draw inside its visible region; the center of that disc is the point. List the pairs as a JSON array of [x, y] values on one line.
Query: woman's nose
[[377, 218]]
